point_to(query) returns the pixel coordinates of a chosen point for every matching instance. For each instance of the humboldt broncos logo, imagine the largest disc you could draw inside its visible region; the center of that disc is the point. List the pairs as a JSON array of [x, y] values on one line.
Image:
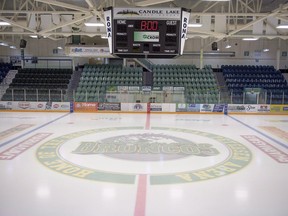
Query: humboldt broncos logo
[[167, 155], [147, 146]]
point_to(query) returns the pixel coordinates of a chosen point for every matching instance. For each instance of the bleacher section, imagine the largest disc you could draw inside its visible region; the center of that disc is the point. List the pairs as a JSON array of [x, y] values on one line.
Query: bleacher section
[[182, 84], [200, 84], [4, 69], [97, 79], [265, 77], [38, 85]]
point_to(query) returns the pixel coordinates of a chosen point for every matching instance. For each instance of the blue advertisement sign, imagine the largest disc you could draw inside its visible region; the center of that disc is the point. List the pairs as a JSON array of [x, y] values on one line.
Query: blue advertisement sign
[[193, 107], [218, 107]]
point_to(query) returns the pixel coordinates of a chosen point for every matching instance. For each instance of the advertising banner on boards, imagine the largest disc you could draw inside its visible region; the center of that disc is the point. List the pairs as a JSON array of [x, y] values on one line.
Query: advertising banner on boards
[[85, 106], [168, 107], [193, 107], [134, 107], [249, 108], [156, 107], [279, 108], [219, 108], [263, 108], [5, 105], [24, 105], [236, 108], [60, 106], [206, 107], [181, 107], [35, 106], [109, 107]]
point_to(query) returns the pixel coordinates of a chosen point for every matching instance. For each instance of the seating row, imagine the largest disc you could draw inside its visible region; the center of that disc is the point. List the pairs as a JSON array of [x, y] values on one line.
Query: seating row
[[45, 71], [44, 75], [265, 77], [176, 66], [110, 74], [51, 85], [110, 68]]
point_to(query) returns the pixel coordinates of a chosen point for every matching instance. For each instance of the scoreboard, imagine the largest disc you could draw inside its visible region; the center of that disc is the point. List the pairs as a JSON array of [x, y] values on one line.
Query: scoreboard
[[146, 36], [146, 32]]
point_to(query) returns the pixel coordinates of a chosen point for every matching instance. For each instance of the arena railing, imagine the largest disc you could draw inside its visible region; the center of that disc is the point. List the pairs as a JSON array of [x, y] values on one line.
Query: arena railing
[[61, 95], [18, 94]]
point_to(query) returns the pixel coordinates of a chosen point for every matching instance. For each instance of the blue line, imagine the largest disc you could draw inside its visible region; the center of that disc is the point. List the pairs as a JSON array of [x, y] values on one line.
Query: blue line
[[263, 134], [28, 132]]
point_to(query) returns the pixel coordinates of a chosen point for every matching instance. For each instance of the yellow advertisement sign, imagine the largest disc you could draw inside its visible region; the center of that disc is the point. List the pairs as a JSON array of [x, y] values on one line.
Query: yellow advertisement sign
[[279, 108]]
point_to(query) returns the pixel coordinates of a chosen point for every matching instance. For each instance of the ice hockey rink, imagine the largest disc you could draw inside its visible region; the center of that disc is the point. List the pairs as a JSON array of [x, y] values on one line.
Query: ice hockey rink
[[110, 164]]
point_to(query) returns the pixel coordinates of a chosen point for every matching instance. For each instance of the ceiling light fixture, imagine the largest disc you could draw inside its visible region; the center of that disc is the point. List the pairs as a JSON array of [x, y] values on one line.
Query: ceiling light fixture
[[33, 36], [249, 39], [228, 46], [4, 24], [4, 44], [266, 50], [94, 24], [217, 0], [195, 25], [282, 27], [147, 3]]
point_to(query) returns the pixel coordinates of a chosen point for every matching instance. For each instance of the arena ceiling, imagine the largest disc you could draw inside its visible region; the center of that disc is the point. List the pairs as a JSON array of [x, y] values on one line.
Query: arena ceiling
[[57, 19]]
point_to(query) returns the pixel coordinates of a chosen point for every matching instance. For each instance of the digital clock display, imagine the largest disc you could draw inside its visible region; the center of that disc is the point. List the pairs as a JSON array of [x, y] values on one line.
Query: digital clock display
[[147, 25]]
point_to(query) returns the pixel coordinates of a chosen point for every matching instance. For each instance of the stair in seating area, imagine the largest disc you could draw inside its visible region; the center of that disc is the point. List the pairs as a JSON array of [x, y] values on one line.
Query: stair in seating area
[[74, 82], [145, 63], [224, 92], [285, 75], [7, 81]]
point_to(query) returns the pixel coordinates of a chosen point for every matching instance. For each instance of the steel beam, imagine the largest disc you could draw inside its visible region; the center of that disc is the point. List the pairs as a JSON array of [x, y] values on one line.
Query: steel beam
[[16, 24], [39, 12], [65, 24], [150, 2], [274, 13], [90, 4], [64, 5]]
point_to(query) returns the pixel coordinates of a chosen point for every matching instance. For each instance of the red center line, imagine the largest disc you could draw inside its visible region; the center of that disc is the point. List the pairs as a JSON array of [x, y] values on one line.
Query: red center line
[[147, 125], [140, 206]]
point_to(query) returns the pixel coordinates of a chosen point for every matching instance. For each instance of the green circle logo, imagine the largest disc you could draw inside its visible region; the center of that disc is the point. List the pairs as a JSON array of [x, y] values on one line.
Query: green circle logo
[[167, 155]]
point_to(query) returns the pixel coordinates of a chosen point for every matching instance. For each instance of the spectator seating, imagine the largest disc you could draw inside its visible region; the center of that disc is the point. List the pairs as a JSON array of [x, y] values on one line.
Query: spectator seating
[[200, 84], [38, 85], [239, 77], [96, 80]]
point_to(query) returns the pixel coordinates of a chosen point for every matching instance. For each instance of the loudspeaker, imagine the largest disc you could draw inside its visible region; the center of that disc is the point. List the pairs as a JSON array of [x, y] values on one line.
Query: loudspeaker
[[34, 60], [23, 43], [214, 46]]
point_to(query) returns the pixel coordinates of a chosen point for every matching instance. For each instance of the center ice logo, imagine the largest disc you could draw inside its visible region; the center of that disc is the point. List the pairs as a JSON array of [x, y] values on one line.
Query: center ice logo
[[166, 155], [146, 147]]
